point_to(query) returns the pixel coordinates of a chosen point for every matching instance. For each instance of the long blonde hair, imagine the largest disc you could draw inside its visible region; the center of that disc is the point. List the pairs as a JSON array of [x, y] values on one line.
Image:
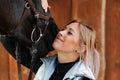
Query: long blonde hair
[[91, 55]]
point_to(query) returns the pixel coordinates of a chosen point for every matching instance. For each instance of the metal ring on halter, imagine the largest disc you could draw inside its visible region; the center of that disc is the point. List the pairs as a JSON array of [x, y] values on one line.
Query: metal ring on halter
[[40, 35], [27, 5]]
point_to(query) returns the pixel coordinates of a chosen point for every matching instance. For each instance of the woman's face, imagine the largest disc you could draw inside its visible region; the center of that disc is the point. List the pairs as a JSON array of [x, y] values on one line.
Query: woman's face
[[68, 39]]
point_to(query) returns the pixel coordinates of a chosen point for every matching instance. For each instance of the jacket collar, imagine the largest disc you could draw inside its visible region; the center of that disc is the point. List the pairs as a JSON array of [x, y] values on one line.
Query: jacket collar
[[79, 69], [49, 64]]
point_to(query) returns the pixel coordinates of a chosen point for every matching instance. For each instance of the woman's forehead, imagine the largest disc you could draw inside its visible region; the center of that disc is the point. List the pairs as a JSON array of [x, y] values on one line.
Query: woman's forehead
[[73, 26]]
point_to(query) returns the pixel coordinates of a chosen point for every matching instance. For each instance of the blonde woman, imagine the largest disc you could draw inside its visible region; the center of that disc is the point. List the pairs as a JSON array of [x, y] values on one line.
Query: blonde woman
[[76, 56]]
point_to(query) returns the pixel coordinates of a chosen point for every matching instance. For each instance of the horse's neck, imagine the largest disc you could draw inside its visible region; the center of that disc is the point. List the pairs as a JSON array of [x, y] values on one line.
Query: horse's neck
[[10, 13], [16, 9]]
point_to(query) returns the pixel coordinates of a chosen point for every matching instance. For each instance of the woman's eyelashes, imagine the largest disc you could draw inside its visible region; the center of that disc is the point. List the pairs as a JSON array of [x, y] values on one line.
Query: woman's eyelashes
[[67, 30], [69, 33]]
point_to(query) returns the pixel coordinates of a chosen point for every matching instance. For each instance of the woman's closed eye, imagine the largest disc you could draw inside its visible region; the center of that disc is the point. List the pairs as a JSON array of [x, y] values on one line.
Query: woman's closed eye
[[69, 33]]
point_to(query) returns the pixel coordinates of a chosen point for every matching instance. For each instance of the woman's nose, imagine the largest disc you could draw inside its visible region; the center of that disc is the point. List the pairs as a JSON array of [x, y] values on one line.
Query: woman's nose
[[60, 34]]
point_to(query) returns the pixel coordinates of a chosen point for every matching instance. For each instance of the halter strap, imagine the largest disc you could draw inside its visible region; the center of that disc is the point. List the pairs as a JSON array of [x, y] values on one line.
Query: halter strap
[[30, 5]]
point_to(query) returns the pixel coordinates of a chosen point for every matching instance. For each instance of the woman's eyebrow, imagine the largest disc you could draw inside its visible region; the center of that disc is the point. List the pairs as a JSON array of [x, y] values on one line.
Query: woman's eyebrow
[[71, 29]]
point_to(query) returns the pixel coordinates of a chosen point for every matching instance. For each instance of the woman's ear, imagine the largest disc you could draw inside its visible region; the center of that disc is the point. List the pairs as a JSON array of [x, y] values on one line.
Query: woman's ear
[[82, 48]]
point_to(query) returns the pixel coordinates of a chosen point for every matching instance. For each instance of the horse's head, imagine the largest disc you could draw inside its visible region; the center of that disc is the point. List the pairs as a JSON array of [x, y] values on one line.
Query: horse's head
[[26, 22], [36, 27]]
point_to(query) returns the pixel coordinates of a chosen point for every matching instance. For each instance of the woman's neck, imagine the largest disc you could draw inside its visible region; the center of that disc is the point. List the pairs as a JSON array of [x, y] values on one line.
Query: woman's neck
[[67, 57]]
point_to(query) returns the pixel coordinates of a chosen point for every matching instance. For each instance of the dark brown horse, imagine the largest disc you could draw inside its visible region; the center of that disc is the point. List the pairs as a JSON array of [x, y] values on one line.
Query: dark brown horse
[[25, 28]]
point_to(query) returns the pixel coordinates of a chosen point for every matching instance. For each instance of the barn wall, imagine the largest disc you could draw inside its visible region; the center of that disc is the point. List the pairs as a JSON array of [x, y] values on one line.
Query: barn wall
[[91, 12], [8, 66], [4, 64], [112, 40]]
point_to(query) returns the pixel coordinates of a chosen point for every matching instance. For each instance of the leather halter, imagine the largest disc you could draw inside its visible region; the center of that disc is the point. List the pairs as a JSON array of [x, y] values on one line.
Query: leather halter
[[30, 4]]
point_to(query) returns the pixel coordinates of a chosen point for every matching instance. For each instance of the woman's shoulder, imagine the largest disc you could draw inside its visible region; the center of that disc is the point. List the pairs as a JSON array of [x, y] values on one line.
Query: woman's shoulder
[[86, 72], [80, 72]]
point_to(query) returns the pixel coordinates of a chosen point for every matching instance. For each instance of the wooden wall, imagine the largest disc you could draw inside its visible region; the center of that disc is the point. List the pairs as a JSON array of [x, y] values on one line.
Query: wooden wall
[[112, 40], [4, 64], [103, 15], [8, 66]]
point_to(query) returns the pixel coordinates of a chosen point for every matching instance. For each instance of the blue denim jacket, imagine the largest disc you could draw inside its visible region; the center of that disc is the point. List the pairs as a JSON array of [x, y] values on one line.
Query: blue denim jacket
[[47, 68]]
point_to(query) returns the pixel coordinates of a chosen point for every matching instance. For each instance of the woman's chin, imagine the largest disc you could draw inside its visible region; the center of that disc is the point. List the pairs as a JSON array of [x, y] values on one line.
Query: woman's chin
[[56, 46]]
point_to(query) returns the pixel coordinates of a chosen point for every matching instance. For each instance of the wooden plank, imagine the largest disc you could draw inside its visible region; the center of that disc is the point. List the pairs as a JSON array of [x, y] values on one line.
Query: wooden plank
[[113, 40], [4, 64], [61, 11], [90, 12]]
